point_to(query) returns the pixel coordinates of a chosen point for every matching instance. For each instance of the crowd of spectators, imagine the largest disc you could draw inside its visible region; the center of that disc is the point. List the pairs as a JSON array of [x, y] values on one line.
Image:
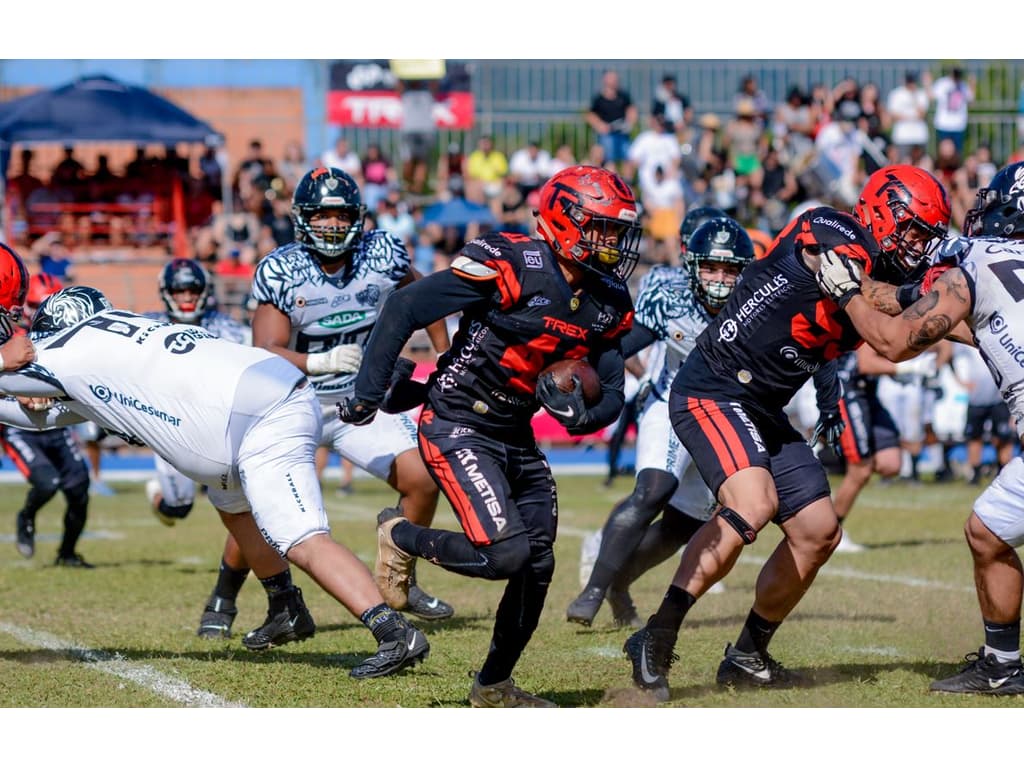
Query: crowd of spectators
[[760, 163]]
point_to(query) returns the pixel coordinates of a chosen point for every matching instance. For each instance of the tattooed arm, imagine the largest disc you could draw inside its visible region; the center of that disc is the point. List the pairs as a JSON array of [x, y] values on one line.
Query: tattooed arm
[[881, 296], [934, 316]]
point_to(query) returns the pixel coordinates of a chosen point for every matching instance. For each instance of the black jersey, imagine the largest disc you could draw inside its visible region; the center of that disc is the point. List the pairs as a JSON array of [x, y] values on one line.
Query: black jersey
[[777, 329], [519, 315]]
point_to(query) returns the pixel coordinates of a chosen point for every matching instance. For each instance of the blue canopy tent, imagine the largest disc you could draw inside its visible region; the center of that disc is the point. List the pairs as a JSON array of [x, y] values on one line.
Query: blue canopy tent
[[96, 108]]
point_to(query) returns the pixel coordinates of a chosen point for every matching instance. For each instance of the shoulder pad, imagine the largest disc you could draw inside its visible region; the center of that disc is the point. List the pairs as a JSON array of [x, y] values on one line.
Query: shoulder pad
[[952, 251], [466, 267]]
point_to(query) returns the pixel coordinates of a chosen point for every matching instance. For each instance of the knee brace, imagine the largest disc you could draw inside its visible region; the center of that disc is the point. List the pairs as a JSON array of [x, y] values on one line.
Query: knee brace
[[741, 526]]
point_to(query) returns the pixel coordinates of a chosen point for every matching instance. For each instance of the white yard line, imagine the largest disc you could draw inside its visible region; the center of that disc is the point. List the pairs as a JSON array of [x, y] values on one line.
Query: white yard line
[[888, 578], [142, 675]]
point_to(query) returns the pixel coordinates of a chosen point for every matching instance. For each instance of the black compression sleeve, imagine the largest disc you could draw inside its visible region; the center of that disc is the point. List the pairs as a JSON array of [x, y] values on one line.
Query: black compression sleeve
[[610, 368], [826, 386], [639, 337], [415, 306]]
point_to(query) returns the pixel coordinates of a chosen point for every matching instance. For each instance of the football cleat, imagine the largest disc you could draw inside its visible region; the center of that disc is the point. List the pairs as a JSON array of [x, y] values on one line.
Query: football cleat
[[393, 569], [74, 560], [984, 674], [217, 618], [584, 608], [623, 610], [650, 650], [25, 539], [504, 694], [754, 670], [406, 650], [289, 625], [423, 606]]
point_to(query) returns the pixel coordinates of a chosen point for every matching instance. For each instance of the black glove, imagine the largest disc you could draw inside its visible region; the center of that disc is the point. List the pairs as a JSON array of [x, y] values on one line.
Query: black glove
[[403, 393], [567, 407], [353, 410], [829, 428]]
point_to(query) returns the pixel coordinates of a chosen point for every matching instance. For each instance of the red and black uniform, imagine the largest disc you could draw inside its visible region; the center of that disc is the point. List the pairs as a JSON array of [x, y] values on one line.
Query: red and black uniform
[[51, 461], [870, 427], [775, 332], [519, 315]]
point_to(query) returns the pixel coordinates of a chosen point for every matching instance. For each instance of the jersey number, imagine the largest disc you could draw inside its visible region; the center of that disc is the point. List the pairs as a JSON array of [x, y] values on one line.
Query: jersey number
[[1006, 271]]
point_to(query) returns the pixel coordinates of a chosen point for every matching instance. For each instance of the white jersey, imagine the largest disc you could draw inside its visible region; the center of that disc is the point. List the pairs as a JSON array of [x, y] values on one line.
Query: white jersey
[[995, 271], [328, 310], [220, 325], [666, 305], [175, 388]]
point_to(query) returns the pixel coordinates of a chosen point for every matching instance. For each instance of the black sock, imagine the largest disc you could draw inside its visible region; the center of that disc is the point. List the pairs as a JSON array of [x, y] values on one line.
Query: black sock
[[278, 588], [756, 634], [1003, 637], [673, 609], [229, 581], [384, 623]]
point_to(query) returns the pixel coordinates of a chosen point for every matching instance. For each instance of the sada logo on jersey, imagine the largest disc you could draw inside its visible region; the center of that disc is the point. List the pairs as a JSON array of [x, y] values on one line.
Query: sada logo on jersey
[[341, 319]]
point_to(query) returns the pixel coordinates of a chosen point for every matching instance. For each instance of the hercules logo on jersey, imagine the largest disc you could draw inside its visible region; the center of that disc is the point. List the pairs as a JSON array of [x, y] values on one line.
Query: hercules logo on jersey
[[468, 461], [728, 331]]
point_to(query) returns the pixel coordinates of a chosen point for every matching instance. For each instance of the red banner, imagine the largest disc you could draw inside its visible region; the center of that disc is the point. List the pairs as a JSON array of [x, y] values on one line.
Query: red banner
[[383, 109]]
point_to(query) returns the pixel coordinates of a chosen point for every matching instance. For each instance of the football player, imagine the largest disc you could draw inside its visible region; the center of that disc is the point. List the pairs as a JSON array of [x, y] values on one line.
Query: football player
[[318, 298], [971, 295], [51, 460], [525, 303], [726, 405], [241, 420]]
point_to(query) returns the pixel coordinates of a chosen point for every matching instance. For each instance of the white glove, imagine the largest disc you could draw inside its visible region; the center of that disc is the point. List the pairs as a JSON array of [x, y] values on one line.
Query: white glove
[[838, 277], [344, 358], [922, 365]]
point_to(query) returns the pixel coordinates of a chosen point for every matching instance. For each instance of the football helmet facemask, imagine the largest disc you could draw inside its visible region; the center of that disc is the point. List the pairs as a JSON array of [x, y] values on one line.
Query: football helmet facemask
[[324, 190], [588, 216], [719, 241], [66, 308], [178, 276], [999, 208], [907, 211]]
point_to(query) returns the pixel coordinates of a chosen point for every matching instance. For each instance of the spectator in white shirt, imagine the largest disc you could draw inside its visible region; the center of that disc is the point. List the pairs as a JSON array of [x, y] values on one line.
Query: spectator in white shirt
[[530, 166], [908, 106], [952, 94]]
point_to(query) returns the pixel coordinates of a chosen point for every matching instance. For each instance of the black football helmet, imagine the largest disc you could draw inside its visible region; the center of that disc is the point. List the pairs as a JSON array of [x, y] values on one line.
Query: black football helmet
[[999, 208], [68, 307], [717, 241], [184, 275], [328, 188]]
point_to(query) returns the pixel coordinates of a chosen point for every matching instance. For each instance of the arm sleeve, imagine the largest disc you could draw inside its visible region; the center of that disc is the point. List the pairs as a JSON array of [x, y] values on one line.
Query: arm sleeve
[[12, 414], [415, 306], [639, 337], [610, 367], [31, 381], [826, 386]]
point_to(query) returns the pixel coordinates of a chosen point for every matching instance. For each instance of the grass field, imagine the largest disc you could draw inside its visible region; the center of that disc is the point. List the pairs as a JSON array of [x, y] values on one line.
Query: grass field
[[873, 631]]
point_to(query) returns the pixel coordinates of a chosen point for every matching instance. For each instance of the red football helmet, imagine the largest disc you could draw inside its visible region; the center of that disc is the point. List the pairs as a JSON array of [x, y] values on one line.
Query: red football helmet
[[907, 211], [13, 287], [39, 287], [588, 215]]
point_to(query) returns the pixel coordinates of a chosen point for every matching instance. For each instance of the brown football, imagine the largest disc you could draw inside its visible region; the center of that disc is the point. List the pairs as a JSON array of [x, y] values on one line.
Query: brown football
[[563, 371]]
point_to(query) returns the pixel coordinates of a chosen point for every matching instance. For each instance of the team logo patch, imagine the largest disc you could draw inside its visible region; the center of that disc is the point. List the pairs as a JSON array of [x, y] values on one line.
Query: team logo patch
[[179, 343], [538, 301], [533, 260], [574, 304], [744, 376]]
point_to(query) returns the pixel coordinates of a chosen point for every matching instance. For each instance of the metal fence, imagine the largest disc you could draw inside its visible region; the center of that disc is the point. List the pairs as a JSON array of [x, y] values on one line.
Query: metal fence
[[547, 99]]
